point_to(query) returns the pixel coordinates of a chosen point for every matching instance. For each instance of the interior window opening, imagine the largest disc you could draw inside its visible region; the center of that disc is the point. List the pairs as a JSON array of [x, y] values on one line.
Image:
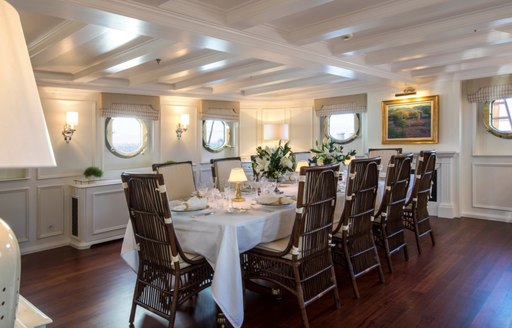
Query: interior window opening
[[342, 128], [216, 135], [126, 137], [497, 117]]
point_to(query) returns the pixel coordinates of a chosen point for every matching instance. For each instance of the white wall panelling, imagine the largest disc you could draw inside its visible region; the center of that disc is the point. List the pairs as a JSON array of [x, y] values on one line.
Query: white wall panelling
[[50, 211], [105, 217], [73, 157], [488, 192], [14, 209]]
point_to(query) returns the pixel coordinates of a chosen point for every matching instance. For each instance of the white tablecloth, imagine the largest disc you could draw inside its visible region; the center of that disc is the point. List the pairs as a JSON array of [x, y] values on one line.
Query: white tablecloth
[[222, 236]]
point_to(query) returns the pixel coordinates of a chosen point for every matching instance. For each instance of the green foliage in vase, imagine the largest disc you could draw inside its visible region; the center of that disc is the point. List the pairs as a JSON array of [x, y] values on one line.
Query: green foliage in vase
[[329, 152], [93, 171], [273, 162]]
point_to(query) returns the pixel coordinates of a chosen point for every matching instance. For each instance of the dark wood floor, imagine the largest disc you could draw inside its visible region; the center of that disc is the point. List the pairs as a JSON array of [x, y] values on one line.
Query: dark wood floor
[[463, 281]]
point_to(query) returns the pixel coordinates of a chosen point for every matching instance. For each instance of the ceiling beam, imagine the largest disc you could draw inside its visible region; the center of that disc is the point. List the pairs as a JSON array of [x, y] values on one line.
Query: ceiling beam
[[370, 17], [56, 34], [263, 11], [311, 81], [451, 27], [245, 68]]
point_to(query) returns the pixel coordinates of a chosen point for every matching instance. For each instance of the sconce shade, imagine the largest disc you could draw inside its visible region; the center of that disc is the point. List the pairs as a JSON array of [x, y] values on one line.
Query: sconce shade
[[72, 119], [275, 132], [185, 120], [237, 174], [24, 137]]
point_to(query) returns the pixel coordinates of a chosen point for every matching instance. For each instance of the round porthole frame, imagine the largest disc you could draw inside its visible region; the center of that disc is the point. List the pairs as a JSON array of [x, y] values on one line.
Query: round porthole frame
[[227, 134], [357, 131], [486, 117], [111, 148]]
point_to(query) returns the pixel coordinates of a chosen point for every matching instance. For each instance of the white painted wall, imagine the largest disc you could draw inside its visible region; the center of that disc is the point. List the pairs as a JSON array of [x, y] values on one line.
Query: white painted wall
[[38, 205]]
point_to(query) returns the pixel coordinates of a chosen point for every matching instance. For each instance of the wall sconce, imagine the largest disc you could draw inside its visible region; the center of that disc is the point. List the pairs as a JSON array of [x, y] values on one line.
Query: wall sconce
[[408, 91], [237, 176], [183, 125], [275, 132], [71, 123]]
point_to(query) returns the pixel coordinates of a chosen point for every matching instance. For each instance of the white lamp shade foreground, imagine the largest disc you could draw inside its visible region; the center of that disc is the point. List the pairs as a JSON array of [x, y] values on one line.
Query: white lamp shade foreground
[[275, 132], [24, 137], [24, 141]]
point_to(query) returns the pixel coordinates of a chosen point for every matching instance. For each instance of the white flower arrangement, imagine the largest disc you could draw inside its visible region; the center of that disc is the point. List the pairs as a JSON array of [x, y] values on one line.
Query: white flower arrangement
[[329, 152], [272, 163]]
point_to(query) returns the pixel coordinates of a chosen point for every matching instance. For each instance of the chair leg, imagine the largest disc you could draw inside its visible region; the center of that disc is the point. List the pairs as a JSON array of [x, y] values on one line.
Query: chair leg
[[381, 273], [300, 297], [388, 255], [432, 237], [337, 301], [417, 235], [406, 253], [351, 272]]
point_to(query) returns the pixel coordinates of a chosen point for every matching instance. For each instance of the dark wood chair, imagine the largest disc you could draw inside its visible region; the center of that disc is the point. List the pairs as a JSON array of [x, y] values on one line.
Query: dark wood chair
[[388, 227], [384, 154], [302, 263], [354, 245], [221, 168], [416, 216], [178, 177], [166, 276]]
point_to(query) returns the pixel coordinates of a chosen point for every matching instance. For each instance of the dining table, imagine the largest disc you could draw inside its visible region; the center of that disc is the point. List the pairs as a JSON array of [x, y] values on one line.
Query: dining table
[[222, 233]]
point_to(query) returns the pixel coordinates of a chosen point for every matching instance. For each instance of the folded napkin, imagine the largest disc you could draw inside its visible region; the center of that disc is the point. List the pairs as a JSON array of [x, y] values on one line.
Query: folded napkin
[[272, 199], [194, 203]]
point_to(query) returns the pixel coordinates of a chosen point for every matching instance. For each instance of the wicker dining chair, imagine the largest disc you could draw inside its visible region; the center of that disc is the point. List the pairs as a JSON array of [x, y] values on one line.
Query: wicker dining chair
[[384, 154], [166, 276], [388, 227], [416, 216], [221, 168], [354, 245], [179, 177], [302, 263]]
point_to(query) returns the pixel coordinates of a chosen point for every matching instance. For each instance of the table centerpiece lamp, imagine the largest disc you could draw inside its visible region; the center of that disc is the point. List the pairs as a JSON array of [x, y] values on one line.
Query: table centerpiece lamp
[[237, 176], [24, 141]]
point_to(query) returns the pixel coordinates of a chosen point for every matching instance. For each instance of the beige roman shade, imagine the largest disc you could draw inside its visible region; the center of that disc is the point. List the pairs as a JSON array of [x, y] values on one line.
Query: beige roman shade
[[124, 105], [488, 89], [339, 105], [219, 110]]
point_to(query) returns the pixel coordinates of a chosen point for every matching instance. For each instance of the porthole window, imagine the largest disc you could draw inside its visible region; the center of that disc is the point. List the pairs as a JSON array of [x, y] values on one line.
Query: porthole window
[[126, 137], [497, 117], [342, 128], [216, 135]]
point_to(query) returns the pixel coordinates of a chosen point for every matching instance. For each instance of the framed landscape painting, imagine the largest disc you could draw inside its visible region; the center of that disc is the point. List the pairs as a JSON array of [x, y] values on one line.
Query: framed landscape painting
[[410, 121]]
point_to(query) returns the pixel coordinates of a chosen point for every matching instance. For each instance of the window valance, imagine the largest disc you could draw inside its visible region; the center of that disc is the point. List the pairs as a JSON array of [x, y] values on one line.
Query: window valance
[[487, 89], [340, 105], [219, 110], [122, 105]]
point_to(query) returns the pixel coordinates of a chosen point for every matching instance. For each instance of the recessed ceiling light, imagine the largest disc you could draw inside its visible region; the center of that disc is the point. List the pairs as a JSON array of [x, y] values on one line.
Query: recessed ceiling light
[[347, 37]]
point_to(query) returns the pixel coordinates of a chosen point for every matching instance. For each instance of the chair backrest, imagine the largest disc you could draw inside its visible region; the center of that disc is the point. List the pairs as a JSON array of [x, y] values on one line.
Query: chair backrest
[[150, 217], [384, 154], [316, 201], [221, 168], [424, 172], [360, 192], [395, 193], [301, 156], [178, 177]]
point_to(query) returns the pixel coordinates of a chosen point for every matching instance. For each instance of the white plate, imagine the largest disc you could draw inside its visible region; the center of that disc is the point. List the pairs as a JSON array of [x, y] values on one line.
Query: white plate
[[233, 210], [194, 210]]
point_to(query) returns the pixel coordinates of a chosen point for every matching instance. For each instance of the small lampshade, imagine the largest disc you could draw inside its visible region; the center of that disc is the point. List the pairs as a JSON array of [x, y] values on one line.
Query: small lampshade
[[23, 134], [185, 119], [275, 132], [301, 164], [72, 119], [237, 175]]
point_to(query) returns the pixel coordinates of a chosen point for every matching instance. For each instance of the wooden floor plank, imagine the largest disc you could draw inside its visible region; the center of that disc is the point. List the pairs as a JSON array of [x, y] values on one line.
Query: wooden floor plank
[[463, 281]]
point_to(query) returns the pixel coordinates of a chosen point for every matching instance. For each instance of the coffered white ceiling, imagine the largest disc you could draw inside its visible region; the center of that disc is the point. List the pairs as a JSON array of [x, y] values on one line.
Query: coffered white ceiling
[[263, 49]]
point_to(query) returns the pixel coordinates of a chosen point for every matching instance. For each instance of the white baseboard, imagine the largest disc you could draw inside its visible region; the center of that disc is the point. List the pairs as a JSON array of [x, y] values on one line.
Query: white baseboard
[[489, 217]]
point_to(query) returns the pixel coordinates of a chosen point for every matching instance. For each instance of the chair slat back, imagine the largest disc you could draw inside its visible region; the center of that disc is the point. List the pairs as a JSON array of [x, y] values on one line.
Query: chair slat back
[[150, 217], [221, 168], [395, 194], [360, 192], [316, 201], [178, 177], [425, 167], [384, 154]]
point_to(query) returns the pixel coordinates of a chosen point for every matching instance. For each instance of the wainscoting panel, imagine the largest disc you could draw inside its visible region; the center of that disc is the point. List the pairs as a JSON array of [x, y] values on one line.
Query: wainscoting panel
[[50, 211], [490, 189], [14, 209], [109, 211]]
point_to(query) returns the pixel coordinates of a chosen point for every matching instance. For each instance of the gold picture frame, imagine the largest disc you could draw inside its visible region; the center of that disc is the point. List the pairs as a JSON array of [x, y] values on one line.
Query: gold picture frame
[[410, 120]]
